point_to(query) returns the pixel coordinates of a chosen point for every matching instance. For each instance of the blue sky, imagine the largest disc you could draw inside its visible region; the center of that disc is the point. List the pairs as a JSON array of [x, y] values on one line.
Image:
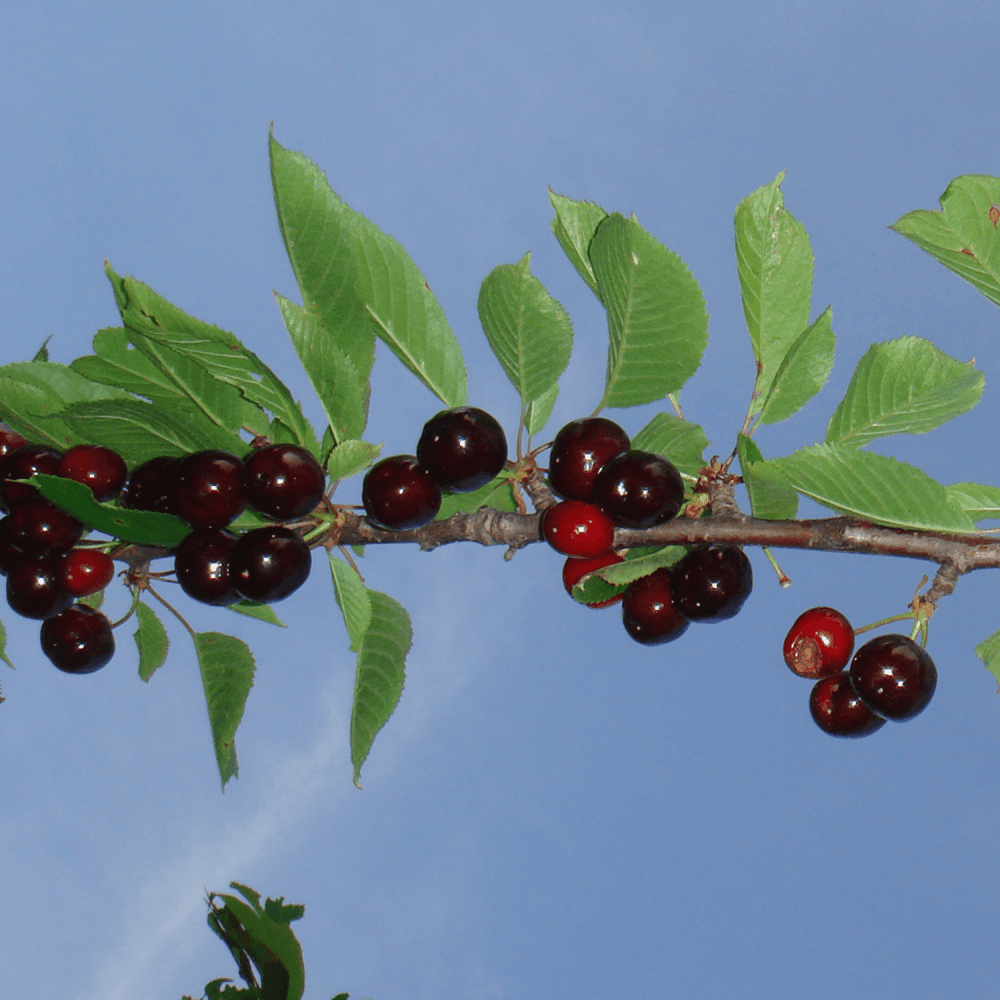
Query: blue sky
[[553, 810]]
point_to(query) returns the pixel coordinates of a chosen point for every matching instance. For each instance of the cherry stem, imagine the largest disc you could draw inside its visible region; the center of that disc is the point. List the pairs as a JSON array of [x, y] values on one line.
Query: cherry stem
[[131, 611], [885, 621], [783, 578], [172, 610]]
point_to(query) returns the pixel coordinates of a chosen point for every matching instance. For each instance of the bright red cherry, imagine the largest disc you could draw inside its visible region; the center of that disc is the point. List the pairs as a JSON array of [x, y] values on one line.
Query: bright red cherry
[[578, 529], [208, 489], [580, 450], [894, 676], [79, 640], [81, 572], [575, 570], [639, 490], [23, 463], [400, 493], [102, 469], [648, 611], [463, 448], [712, 582], [283, 481], [837, 709], [819, 643]]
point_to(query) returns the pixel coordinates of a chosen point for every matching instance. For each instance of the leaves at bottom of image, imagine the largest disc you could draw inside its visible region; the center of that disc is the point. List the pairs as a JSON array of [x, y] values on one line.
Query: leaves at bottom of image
[[989, 652]]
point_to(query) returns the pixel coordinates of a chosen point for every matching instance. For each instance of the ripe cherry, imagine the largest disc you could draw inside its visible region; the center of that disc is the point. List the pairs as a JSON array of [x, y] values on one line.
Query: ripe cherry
[[575, 570], [712, 582], [283, 481], [150, 487], [10, 554], [578, 529], [894, 676], [79, 640], [81, 572], [10, 440], [639, 490], [463, 448], [23, 463], [399, 492], [268, 564], [837, 709], [202, 566], [648, 611], [819, 643], [580, 450], [32, 590], [102, 469], [37, 527], [208, 489]]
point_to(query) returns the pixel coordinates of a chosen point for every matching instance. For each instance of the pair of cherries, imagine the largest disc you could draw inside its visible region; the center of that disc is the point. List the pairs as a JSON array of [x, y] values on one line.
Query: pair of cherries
[[890, 676]]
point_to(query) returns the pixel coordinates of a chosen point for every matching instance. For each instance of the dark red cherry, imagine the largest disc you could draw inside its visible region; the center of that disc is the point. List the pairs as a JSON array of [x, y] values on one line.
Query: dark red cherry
[[712, 582], [894, 676], [268, 564], [81, 572], [283, 481], [37, 527], [648, 611], [578, 529], [837, 709], [819, 643], [79, 640], [399, 492], [22, 463], [10, 440], [32, 590], [575, 570], [208, 489], [580, 450], [639, 490], [202, 566], [102, 469], [462, 449], [10, 554], [150, 487]]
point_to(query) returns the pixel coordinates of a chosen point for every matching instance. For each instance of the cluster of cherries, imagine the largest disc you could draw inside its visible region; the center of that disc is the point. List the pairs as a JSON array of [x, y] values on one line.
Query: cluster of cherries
[[605, 483], [47, 570], [890, 676]]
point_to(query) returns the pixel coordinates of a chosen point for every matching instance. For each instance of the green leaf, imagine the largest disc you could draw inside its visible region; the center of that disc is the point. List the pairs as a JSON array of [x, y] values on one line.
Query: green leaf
[[42, 354], [529, 331], [342, 390], [771, 497], [227, 669], [497, 493], [872, 487], [257, 611], [379, 677], [574, 227], [538, 411], [657, 324], [642, 562], [151, 638], [3, 647], [775, 265], [592, 589], [963, 235], [903, 386], [143, 527], [349, 458], [680, 441], [989, 652], [978, 501], [803, 371], [353, 599]]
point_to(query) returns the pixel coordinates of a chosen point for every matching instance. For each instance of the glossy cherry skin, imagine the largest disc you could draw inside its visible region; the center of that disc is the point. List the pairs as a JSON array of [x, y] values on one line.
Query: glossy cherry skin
[[712, 582], [575, 570], [10, 554], [37, 527], [150, 487], [81, 572], [208, 489], [580, 450], [837, 709], [10, 440], [283, 481], [22, 463], [819, 643], [202, 566], [79, 640], [648, 611], [102, 469], [894, 676], [400, 493], [32, 590], [639, 490], [578, 529], [268, 564], [463, 448]]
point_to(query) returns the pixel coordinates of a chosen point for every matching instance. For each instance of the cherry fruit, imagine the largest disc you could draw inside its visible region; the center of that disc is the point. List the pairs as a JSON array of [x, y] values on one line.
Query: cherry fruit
[[32, 588], [102, 469], [268, 564], [81, 572], [201, 563], [10, 440], [578, 529], [37, 527], [208, 489], [150, 487], [79, 640], [648, 611], [575, 570], [283, 481], [712, 582], [819, 643], [463, 448], [894, 676], [399, 492], [639, 490], [837, 709], [23, 463], [580, 450]]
